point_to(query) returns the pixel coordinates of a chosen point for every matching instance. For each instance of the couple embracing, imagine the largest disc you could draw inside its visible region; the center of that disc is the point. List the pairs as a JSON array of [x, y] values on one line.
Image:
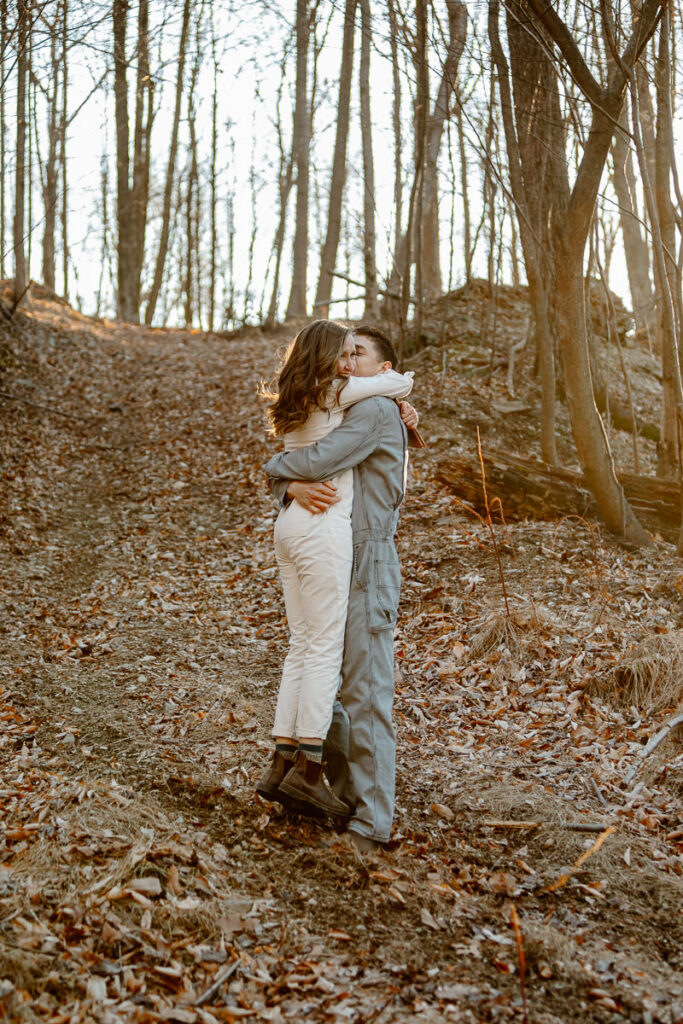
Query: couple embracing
[[340, 481]]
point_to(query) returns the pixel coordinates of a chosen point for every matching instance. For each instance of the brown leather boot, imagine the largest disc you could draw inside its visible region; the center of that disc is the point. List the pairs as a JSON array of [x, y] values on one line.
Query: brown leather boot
[[306, 784], [268, 786]]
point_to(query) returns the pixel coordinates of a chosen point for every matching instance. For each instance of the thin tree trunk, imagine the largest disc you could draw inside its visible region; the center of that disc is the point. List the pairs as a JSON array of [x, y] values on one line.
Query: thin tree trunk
[[571, 235], [144, 115], [635, 247], [51, 172], [417, 192], [667, 281], [457, 30], [191, 225], [23, 33], [392, 308], [466, 221], [531, 243], [296, 306], [170, 171], [124, 214], [214, 160], [3, 129], [328, 256], [62, 151], [369, 257]]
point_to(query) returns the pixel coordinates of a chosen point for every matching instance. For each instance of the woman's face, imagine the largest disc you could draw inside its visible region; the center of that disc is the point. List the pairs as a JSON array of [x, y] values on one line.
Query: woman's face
[[346, 364]]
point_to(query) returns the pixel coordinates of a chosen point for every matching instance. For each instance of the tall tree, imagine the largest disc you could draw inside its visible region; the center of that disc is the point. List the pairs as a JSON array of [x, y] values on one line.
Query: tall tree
[[296, 306], [3, 128], [536, 146], [571, 233], [457, 28], [51, 166], [328, 256], [369, 247], [131, 198], [164, 234], [414, 233], [636, 248], [19, 226], [285, 179]]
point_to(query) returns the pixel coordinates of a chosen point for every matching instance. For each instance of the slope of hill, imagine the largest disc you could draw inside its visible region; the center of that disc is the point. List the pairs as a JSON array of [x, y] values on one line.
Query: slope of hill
[[144, 630]]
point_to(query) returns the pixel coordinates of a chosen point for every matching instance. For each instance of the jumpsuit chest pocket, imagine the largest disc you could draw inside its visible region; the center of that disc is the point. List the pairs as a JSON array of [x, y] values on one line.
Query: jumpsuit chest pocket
[[377, 572]]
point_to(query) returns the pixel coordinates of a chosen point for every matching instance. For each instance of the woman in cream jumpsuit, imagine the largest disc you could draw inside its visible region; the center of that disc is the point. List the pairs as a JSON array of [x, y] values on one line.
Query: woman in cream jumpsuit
[[315, 556]]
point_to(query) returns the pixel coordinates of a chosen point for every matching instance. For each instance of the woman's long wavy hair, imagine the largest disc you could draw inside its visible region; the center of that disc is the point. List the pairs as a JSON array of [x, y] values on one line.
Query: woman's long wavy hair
[[308, 370]]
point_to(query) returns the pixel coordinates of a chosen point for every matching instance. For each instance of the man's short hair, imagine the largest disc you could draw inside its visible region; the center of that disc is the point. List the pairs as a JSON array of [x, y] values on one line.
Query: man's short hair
[[383, 346]]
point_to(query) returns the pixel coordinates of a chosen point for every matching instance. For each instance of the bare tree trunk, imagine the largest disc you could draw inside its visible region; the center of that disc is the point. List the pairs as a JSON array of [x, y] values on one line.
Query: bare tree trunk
[[51, 172], [570, 241], [369, 256], [457, 29], [466, 227], [190, 210], [170, 171], [666, 279], [285, 179], [415, 211], [328, 256], [23, 34], [144, 115], [214, 158], [529, 138], [635, 246], [296, 307], [3, 129], [62, 151], [392, 307], [124, 214]]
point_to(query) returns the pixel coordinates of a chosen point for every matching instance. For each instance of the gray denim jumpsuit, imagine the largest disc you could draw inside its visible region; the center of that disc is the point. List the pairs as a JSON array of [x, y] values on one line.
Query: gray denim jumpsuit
[[361, 744]]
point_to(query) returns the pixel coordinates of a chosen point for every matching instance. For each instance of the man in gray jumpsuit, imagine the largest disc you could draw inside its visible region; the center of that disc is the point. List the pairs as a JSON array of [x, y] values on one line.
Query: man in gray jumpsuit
[[373, 442]]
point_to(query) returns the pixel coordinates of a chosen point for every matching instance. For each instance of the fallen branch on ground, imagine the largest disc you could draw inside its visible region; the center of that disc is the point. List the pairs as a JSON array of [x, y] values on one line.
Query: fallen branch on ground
[[652, 744]]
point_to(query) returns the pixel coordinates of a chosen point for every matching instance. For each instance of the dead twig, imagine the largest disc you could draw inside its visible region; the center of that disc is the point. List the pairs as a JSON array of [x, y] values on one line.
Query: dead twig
[[563, 879], [489, 524], [571, 826], [652, 744], [514, 918], [223, 976], [47, 408]]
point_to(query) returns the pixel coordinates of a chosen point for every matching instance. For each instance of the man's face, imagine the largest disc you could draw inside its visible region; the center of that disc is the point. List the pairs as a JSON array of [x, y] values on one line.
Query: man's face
[[346, 364], [367, 360]]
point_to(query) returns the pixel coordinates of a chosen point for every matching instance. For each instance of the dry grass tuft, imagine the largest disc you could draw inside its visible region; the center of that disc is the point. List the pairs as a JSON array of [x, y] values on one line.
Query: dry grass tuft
[[514, 631], [650, 676]]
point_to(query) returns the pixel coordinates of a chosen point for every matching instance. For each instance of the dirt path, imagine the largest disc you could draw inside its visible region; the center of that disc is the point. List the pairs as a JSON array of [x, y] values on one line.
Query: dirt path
[[143, 633]]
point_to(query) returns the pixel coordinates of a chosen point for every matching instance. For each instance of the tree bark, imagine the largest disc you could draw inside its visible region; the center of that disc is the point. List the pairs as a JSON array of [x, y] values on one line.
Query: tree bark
[[62, 151], [528, 141], [369, 248], [51, 169], [667, 282], [530, 489], [170, 171], [328, 257], [144, 116], [571, 235], [457, 31], [3, 128], [635, 247], [296, 306], [18, 233], [413, 238]]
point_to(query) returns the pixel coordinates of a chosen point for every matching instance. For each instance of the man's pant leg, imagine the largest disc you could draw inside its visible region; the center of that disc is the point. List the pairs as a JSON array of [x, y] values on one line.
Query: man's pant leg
[[336, 755], [367, 693]]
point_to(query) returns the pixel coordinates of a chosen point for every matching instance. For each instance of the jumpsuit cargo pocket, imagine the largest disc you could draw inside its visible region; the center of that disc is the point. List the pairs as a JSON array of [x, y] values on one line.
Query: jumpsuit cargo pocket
[[378, 573]]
